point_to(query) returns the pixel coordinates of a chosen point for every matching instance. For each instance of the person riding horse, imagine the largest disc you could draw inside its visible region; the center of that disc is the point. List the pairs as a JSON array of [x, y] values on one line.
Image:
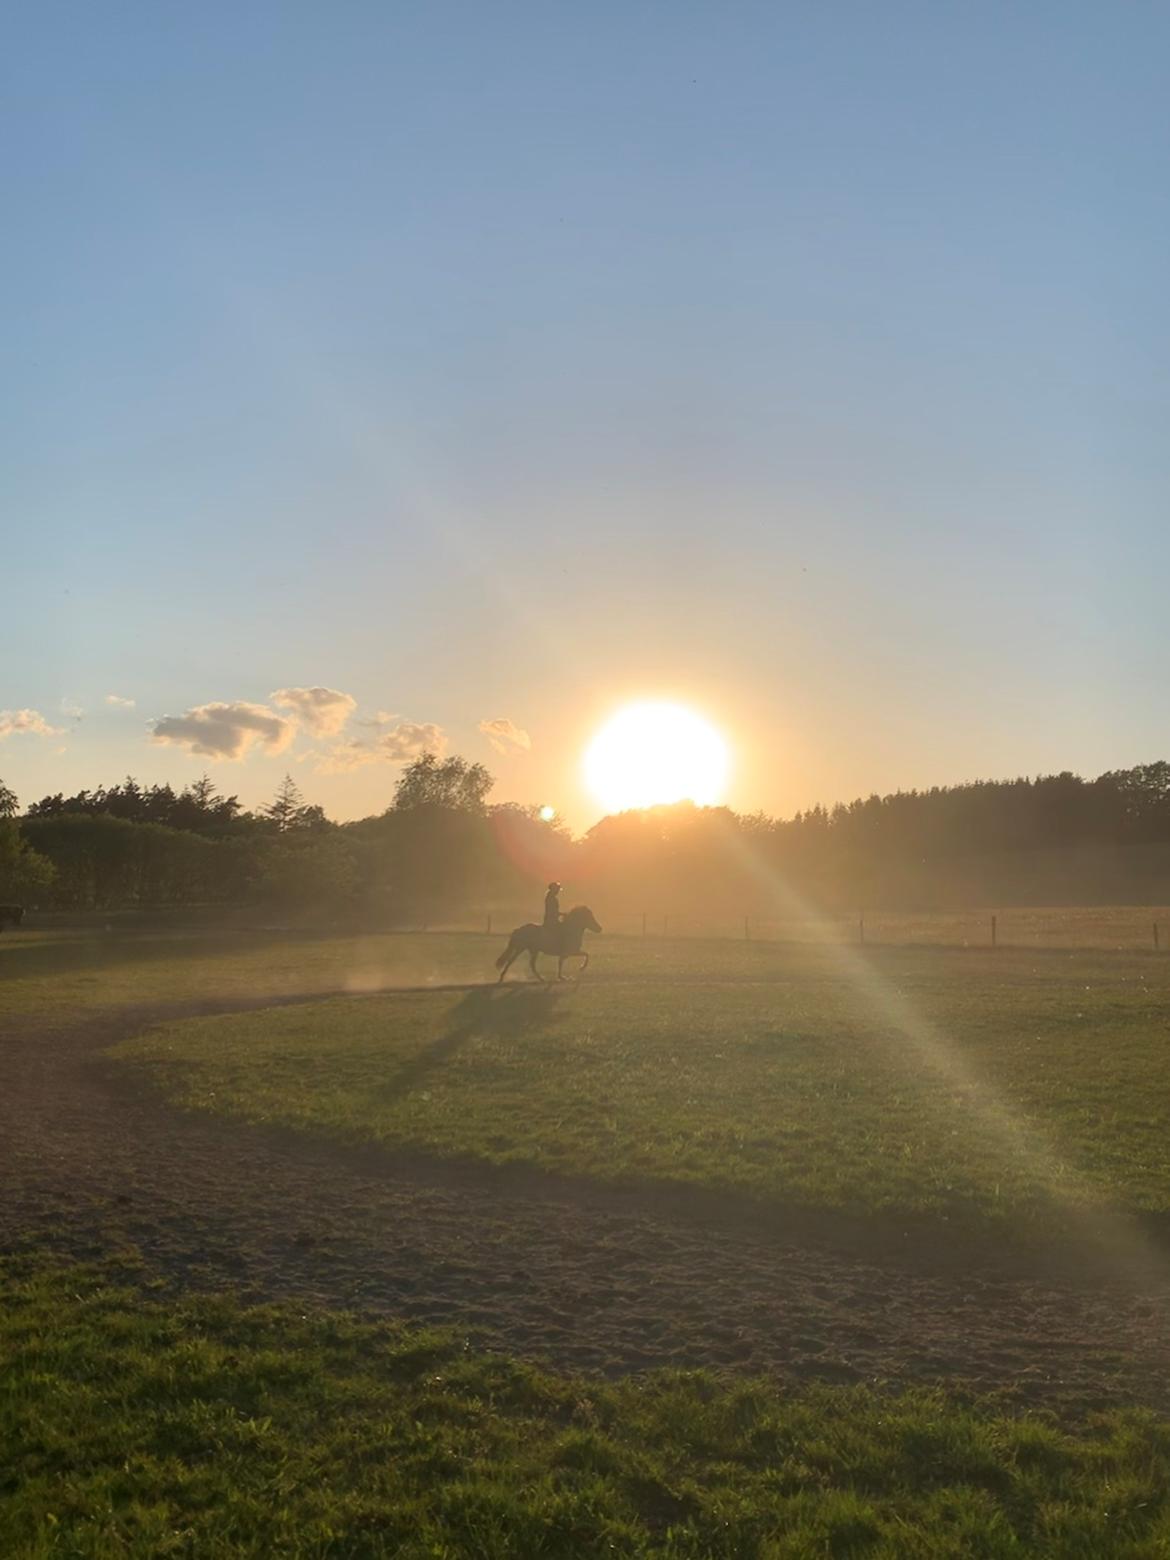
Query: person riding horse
[[558, 936]]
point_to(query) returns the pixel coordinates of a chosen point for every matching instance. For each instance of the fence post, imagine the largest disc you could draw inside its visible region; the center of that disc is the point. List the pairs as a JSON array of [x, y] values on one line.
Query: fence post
[[993, 931], [861, 928], [489, 925], [643, 923], [746, 930], [1155, 936]]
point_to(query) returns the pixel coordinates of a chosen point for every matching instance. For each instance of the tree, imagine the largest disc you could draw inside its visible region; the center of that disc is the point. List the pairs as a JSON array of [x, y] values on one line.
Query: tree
[[201, 808], [7, 801], [203, 793], [318, 873], [286, 806], [24, 873], [450, 782]]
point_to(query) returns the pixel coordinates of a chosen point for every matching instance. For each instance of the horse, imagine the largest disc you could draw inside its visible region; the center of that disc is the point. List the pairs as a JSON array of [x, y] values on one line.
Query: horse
[[563, 941], [11, 915]]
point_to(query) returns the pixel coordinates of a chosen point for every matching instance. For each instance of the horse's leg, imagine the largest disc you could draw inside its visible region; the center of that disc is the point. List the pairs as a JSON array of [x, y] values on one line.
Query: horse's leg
[[510, 956], [532, 962], [584, 957]]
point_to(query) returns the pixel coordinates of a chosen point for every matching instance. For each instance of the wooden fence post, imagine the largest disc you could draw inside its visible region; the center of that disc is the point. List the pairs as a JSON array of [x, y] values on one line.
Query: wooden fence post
[[643, 923], [993, 932], [861, 928], [746, 930], [1155, 936], [489, 925]]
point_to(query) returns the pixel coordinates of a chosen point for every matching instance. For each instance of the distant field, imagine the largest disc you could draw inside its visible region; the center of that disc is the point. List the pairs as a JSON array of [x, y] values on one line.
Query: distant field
[[1108, 926], [1005, 1087], [87, 970], [131, 1428]]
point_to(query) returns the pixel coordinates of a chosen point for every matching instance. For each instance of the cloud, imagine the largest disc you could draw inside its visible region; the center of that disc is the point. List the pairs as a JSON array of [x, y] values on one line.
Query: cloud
[[118, 702], [322, 711], [505, 736], [29, 722], [226, 730], [405, 741], [70, 710]]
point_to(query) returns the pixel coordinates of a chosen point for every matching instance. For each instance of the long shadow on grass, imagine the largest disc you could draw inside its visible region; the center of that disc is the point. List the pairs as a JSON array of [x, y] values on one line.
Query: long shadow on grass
[[483, 1011]]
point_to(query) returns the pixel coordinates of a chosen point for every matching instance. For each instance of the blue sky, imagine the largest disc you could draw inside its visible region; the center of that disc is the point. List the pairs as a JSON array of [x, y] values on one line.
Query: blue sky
[[807, 364]]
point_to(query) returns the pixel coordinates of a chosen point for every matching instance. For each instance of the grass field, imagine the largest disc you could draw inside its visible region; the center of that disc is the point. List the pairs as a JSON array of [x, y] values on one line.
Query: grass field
[[50, 974], [204, 1428], [91, 963], [999, 1090], [1007, 1087]]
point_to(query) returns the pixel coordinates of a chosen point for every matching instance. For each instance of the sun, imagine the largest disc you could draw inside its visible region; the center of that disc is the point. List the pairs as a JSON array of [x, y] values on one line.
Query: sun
[[652, 753]]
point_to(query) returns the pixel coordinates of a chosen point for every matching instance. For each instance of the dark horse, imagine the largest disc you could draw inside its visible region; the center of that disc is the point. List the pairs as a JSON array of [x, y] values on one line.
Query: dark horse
[[563, 942]]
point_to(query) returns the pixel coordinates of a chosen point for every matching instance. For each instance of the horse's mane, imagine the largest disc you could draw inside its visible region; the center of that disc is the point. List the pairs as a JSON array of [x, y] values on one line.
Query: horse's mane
[[578, 910]]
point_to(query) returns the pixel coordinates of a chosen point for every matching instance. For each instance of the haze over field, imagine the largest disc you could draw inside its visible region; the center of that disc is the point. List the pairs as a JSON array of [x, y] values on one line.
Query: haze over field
[[392, 378]]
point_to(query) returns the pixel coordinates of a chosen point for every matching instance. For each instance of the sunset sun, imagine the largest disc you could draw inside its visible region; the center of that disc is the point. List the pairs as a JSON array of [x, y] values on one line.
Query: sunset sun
[[651, 753]]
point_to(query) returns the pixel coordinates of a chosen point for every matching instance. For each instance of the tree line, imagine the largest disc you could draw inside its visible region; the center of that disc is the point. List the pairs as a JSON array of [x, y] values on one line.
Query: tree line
[[440, 850]]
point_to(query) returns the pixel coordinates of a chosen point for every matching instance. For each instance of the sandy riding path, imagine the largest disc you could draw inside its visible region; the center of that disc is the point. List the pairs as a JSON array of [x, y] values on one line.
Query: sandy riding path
[[92, 1162]]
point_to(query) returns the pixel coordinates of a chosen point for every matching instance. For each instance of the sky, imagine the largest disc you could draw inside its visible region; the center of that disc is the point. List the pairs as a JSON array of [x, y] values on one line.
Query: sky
[[802, 364]]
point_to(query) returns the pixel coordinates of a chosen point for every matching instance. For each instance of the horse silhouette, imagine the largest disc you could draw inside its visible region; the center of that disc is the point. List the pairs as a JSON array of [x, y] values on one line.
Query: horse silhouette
[[562, 942], [11, 915]]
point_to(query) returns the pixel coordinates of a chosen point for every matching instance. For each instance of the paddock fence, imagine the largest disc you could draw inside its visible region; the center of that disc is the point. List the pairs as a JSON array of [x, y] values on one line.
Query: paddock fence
[[1106, 927]]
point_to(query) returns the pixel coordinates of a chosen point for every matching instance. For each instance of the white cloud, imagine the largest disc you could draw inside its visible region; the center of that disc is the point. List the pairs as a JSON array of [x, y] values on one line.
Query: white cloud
[[405, 741], [29, 722], [118, 702], [226, 730], [505, 736], [70, 710], [322, 711]]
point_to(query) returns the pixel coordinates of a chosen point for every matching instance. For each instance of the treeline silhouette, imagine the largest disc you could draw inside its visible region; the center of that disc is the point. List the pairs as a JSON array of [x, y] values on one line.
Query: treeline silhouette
[[441, 852]]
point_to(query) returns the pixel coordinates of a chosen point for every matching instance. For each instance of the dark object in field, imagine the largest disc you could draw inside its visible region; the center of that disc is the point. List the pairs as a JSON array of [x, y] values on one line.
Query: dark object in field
[[11, 915], [563, 942]]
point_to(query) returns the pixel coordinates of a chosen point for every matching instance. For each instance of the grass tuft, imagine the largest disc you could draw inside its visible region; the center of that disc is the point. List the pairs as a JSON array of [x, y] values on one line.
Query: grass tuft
[[134, 1428]]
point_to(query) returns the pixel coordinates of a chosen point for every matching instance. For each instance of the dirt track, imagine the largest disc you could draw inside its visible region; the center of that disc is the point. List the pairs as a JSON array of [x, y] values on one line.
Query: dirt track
[[91, 1162]]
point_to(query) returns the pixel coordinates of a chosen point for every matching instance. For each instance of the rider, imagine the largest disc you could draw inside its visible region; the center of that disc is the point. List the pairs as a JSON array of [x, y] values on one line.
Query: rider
[[552, 907]]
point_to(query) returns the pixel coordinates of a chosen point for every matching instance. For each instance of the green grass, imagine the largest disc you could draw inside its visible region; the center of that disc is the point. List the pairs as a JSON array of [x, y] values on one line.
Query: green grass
[[990, 1088], [59, 976], [45, 973], [1003, 1087], [131, 1427]]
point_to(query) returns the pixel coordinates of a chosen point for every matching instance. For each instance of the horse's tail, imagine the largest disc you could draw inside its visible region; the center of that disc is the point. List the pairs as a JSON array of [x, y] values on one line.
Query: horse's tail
[[506, 955]]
